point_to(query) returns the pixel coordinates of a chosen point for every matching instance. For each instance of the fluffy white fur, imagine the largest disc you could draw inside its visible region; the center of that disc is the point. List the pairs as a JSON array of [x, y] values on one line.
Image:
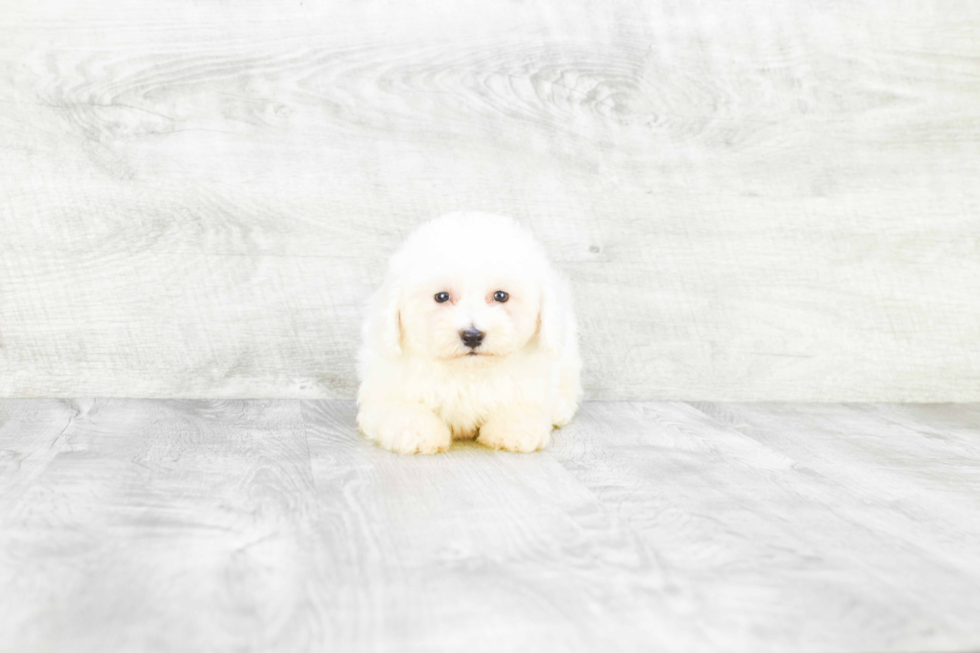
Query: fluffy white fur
[[421, 387]]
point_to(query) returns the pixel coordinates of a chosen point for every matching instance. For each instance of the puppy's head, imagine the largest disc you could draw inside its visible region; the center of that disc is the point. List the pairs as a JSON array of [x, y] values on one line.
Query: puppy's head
[[468, 287]]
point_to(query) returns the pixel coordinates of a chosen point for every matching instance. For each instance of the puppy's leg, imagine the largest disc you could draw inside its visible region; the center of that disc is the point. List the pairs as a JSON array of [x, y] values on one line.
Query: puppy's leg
[[404, 428], [569, 393], [569, 389], [517, 428]]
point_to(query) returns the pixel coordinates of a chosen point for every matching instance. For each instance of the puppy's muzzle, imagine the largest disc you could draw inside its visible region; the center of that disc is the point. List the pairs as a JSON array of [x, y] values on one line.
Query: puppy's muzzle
[[471, 337]]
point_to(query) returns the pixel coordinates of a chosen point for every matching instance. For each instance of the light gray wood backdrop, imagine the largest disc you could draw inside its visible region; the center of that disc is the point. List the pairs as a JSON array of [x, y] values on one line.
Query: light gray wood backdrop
[[754, 200]]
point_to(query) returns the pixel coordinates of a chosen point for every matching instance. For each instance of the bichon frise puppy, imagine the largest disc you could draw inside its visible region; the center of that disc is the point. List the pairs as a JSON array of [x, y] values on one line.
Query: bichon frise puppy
[[471, 335]]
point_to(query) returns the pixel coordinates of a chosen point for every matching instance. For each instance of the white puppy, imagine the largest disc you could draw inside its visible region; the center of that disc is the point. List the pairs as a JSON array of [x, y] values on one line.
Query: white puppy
[[471, 335]]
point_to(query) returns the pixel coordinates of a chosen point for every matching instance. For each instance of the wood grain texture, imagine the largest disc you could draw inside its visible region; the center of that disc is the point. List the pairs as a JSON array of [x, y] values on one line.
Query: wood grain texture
[[134, 525], [160, 527], [479, 551], [752, 200], [749, 500]]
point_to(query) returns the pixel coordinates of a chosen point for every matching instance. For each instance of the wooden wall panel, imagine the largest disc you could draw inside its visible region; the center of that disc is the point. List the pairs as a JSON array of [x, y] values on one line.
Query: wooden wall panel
[[753, 200]]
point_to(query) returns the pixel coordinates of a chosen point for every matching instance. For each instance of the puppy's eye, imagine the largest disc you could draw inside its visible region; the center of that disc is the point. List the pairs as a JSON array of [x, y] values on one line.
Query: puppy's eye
[[442, 297], [500, 296]]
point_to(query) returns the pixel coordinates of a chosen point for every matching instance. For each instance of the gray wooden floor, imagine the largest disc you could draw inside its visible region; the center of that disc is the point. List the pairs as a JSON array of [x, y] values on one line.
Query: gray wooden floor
[[135, 525]]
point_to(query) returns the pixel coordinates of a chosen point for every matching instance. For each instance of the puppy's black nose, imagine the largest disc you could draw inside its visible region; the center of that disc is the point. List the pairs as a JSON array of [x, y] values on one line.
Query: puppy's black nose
[[472, 338]]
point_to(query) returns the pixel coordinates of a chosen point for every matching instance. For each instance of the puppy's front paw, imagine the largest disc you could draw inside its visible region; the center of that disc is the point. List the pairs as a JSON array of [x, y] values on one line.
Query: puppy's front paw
[[563, 411], [406, 429], [521, 432]]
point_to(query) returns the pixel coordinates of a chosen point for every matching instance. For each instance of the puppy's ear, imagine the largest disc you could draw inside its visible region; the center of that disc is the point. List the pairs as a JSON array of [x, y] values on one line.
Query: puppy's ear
[[551, 318], [385, 328]]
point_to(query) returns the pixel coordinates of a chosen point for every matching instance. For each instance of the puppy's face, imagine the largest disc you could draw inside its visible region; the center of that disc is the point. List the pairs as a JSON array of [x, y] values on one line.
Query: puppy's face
[[467, 287], [468, 316]]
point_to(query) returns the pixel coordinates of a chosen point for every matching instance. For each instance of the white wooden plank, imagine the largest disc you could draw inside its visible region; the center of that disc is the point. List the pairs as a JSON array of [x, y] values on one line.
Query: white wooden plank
[[927, 487], [956, 425], [163, 527], [31, 435], [187, 525], [785, 554], [753, 201]]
